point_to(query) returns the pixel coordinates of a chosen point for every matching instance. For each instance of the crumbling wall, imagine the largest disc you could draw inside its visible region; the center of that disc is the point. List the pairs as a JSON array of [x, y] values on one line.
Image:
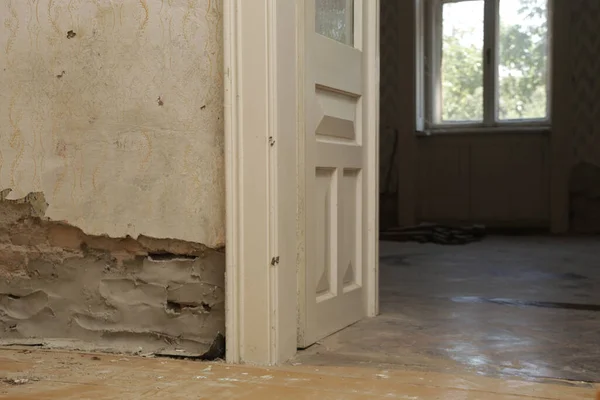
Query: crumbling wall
[[585, 116], [111, 134], [119, 294]]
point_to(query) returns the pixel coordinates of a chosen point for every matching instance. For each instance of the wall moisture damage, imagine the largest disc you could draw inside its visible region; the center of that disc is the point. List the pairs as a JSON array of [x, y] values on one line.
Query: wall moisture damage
[[111, 166], [120, 294]]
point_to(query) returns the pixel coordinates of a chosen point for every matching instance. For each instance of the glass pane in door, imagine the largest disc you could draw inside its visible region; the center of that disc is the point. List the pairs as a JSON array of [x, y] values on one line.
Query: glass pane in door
[[335, 19]]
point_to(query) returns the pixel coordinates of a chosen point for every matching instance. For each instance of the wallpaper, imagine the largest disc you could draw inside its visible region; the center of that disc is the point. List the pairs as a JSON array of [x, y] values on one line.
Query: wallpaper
[[112, 110]]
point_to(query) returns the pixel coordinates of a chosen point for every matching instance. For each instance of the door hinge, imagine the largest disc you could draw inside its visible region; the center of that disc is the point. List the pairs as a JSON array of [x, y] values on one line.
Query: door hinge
[[274, 261]]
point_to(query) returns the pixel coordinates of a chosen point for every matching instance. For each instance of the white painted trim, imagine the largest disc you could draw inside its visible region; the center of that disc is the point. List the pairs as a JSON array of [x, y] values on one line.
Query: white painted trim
[[490, 61], [433, 49], [287, 100], [419, 56], [371, 101], [260, 163], [231, 110], [301, 180]]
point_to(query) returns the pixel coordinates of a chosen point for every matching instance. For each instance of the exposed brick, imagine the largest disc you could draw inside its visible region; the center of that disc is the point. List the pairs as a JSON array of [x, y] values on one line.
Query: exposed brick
[[12, 259], [62, 283], [28, 232], [64, 236]]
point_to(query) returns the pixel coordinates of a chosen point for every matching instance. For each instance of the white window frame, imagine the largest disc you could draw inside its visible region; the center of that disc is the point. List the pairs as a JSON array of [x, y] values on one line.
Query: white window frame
[[429, 50]]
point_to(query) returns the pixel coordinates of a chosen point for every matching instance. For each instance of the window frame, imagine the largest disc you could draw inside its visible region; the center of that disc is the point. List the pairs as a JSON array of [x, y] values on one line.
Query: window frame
[[429, 51]]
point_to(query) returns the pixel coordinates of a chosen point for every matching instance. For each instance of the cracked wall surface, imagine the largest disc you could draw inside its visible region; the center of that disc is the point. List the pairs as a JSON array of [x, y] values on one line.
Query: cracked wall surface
[[119, 294], [111, 171]]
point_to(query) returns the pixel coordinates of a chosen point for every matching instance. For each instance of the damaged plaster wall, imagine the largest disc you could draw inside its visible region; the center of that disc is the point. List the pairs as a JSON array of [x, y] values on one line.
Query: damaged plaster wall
[[585, 116], [111, 134], [120, 295]]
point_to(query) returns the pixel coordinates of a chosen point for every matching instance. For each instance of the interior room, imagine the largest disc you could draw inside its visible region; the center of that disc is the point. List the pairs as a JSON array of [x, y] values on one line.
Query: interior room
[[489, 192], [189, 195]]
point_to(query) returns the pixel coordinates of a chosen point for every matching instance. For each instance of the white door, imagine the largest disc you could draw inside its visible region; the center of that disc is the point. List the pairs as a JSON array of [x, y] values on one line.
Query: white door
[[338, 286]]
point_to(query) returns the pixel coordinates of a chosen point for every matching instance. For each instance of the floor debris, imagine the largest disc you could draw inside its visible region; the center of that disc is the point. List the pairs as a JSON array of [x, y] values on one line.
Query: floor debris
[[436, 233], [74, 376], [215, 352]]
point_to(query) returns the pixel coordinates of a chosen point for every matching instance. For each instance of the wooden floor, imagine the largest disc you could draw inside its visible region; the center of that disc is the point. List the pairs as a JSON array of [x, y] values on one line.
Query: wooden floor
[[507, 318], [44, 375]]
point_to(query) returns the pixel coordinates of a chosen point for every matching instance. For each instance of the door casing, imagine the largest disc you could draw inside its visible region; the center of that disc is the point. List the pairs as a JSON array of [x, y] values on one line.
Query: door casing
[[263, 80]]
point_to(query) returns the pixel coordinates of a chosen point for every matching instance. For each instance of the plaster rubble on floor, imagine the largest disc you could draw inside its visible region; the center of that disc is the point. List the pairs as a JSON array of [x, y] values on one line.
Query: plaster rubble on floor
[[75, 376]]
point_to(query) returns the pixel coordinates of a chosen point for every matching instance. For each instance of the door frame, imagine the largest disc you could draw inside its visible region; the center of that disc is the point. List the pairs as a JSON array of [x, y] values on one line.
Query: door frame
[[263, 61]]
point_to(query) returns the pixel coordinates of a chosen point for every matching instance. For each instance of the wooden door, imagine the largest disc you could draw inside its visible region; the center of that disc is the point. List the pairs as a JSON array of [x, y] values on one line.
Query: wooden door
[[338, 120]]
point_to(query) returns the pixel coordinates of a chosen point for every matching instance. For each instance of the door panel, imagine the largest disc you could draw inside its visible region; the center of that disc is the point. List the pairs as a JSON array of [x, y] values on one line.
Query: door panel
[[335, 161]]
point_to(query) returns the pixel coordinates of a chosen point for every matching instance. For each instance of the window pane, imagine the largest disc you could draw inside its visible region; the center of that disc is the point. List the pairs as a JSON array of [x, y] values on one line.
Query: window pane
[[523, 59], [335, 19], [462, 61]]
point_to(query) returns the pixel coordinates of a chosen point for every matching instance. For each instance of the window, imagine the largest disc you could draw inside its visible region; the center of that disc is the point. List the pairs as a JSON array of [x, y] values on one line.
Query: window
[[486, 63]]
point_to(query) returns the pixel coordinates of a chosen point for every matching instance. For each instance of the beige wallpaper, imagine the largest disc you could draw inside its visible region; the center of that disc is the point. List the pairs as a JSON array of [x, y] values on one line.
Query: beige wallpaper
[[585, 65], [113, 110]]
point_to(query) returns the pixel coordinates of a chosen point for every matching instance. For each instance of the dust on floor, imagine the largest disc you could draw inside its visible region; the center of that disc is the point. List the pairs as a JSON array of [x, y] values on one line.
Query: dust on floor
[[44, 375]]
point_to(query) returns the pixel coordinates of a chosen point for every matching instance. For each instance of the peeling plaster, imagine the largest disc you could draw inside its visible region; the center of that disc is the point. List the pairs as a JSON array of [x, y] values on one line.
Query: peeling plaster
[[121, 294], [112, 199]]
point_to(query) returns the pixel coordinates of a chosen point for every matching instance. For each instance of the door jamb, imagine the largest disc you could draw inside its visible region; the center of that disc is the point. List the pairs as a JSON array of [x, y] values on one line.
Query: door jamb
[[260, 167], [372, 98]]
